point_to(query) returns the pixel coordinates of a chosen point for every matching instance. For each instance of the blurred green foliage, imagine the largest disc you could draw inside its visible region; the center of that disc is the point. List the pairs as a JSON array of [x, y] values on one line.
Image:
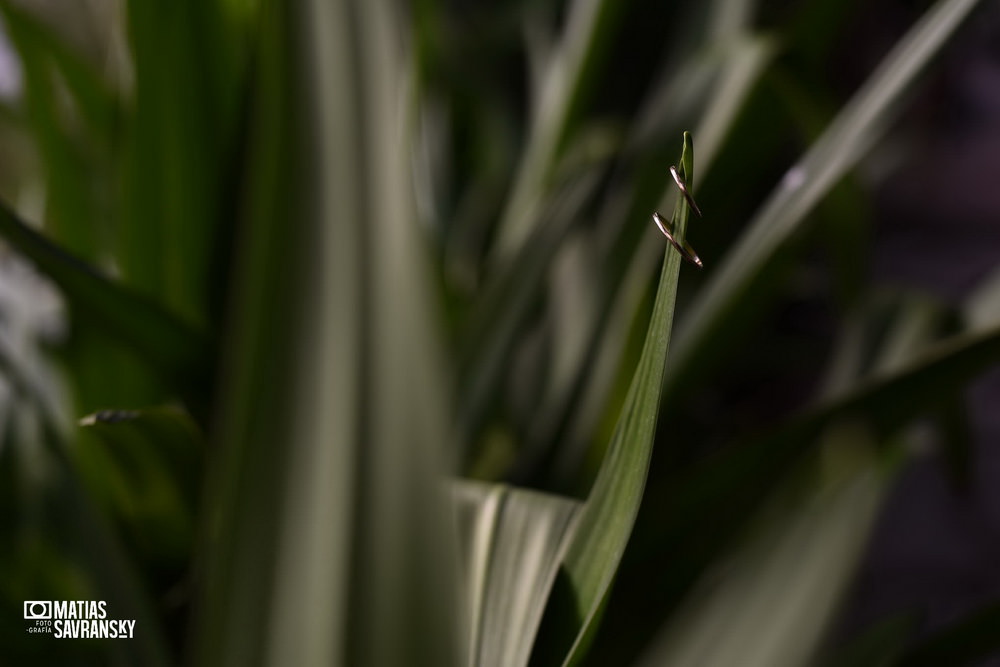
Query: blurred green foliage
[[363, 354]]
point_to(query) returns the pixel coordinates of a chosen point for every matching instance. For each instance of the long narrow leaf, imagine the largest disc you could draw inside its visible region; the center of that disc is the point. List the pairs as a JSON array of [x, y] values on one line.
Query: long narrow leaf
[[97, 103], [145, 467], [57, 513], [70, 205], [515, 541], [507, 301], [844, 142], [770, 606], [736, 477], [180, 354], [718, 82], [176, 147], [330, 546], [877, 646], [606, 521], [576, 56]]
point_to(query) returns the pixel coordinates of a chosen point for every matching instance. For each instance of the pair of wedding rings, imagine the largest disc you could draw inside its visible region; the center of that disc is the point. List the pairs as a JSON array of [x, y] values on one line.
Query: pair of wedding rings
[[683, 247]]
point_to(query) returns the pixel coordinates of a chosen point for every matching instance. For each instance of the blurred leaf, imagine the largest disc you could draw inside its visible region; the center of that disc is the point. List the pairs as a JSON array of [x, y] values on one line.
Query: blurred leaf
[[179, 354], [891, 399], [105, 373], [880, 336], [20, 370], [57, 544], [769, 606], [240, 536], [576, 57], [917, 322], [742, 61], [176, 152], [711, 500], [111, 575], [965, 642], [843, 214], [75, 118], [730, 18], [330, 542], [515, 541], [70, 198], [982, 306], [606, 520], [144, 467], [499, 314], [851, 354], [877, 646], [97, 103], [733, 479], [844, 142]]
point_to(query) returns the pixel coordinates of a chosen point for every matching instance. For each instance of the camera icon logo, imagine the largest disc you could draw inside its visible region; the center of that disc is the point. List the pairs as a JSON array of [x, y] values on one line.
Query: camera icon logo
[[38, 609]]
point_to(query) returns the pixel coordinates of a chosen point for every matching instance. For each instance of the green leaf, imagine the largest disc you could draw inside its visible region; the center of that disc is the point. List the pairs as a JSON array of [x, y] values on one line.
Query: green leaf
[[731, 481], [97, 103], [55, 539], [180, 355], [256, 412], [880, 336], [178, 146], [21, 369], [891, 399], [75, 118], [770, 604], [733, 65], [877, 646], [331, 539], [606, 520], [982, 308], [144, 466], [845, 141], [71, 205], [588, 25], [500, 313], [711, 88], [113, 575], [514, 541]]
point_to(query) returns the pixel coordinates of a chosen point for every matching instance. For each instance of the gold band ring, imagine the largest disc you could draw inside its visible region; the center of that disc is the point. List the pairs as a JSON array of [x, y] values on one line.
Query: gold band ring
[[683, 247]]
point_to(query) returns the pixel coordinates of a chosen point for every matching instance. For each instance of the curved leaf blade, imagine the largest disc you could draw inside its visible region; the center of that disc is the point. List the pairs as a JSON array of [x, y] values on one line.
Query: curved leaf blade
[[839, 148], [178, 352], [606, 520], [514, 541], [770, 606], [329, 540]]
